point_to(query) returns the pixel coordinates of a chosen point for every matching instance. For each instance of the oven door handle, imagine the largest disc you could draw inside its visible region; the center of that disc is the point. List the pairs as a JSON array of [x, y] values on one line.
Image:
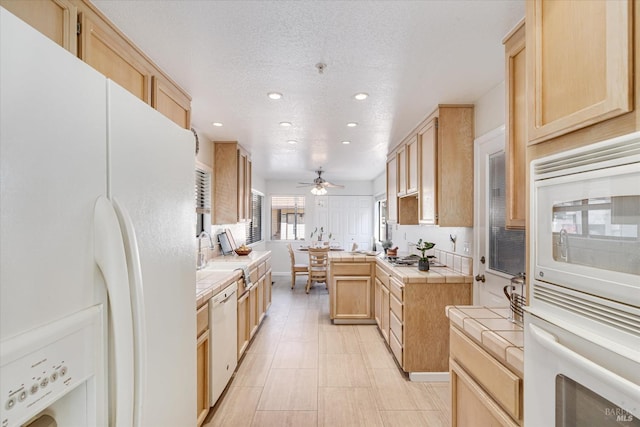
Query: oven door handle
[[550, 342]]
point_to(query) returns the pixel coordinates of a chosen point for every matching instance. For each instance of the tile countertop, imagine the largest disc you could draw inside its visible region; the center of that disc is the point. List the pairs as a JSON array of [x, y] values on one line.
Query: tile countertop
[[210, 282], [406, 274], [493, 331]]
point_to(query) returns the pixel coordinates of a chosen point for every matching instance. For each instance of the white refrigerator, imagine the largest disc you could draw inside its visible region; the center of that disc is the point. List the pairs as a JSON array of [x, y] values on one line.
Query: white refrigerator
[[97, 216]]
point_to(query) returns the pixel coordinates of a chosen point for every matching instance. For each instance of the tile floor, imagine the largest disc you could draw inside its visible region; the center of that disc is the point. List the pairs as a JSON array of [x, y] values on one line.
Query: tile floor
[[301, 370]]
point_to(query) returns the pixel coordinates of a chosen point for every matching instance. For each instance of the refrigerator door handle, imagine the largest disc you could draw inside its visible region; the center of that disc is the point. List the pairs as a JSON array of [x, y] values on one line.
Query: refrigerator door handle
[[138, 307], [110, 257]]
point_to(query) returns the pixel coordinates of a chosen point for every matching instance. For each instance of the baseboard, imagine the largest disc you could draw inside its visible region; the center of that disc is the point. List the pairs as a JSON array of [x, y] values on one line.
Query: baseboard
[[429, 377]]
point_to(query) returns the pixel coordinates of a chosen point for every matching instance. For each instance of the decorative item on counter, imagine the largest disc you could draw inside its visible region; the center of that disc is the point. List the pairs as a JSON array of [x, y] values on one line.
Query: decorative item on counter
[[243, 250], [392, 252], [453, 239], [386, 244], [423, 262]]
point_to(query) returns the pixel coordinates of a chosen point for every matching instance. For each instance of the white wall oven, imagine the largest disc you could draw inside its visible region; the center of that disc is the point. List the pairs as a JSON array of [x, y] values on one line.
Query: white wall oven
[[582, 327]]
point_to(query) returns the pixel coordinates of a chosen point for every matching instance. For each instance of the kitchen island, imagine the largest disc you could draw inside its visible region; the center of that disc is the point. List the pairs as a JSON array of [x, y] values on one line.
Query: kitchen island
[[408, 306]]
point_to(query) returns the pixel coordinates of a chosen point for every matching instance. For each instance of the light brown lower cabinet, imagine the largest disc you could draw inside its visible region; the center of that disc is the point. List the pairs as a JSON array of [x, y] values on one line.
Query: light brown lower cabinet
[[483, 391], [202, 363], [243, 326]]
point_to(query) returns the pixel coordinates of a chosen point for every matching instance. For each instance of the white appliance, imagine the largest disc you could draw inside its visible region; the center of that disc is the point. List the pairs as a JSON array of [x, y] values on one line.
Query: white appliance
[[223, 327], [96, 202], [582, 327]]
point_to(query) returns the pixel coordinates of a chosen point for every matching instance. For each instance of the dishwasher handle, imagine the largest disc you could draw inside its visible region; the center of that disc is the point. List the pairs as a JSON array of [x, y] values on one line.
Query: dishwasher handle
[[224, 295]]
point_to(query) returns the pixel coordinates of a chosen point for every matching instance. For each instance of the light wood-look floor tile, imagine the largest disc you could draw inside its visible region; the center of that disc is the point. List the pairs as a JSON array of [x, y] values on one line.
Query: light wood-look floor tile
[[296, 355], [285, 419], [237, 408], [413, 419], [343, 342], [301, 370], [290, 390], [253, 370], [347, 406], [343, 370]]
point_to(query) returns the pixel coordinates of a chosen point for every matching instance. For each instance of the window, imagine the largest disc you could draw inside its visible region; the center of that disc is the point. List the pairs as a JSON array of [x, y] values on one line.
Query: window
[[254, 227], [203, 200], [506, 247], [287, 218], [381, 220]]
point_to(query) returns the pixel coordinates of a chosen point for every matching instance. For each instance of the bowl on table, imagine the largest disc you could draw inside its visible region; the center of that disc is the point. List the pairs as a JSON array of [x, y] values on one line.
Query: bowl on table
[[242, 251]]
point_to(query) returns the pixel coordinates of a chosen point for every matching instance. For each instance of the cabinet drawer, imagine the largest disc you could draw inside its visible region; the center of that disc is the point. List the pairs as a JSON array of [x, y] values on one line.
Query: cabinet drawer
[[262, 268], [202, 319], [383, 276], [396, 326], [396, 307], [396, 347], [502, 384], [351, 268], [395, 287]]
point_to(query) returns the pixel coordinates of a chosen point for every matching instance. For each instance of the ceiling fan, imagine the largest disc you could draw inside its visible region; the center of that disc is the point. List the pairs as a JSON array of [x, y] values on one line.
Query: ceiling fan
[[319, 184]]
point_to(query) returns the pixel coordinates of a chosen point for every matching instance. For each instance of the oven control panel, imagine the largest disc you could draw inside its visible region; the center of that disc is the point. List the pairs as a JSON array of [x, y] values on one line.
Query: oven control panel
[[40, 366]]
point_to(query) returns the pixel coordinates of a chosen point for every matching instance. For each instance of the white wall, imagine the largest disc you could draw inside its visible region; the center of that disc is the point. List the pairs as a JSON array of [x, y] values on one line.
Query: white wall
[[490, 110]]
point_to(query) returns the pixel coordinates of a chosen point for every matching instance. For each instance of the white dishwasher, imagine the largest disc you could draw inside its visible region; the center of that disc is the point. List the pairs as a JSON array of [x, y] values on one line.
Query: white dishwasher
[[223, 339]]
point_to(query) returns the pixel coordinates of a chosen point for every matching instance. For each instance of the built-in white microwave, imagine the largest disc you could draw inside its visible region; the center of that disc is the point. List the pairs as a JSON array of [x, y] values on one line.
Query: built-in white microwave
[[585, 207]]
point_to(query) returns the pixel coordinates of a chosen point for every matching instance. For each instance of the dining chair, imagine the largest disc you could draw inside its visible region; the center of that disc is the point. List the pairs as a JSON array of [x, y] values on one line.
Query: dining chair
[[296, 269], [318, 266]]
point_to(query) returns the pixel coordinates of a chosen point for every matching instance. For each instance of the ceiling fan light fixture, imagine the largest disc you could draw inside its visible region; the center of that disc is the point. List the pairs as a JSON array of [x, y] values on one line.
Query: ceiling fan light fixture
[[361, 96], [274, 95], [318, 190]]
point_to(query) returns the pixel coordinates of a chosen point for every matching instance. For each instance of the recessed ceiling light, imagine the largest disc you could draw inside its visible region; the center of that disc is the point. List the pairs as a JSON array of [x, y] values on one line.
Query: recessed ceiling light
[[361, 96], [217, 124], [274, 95], [352, 124], [285, 124], [292, 141], [346, 142]]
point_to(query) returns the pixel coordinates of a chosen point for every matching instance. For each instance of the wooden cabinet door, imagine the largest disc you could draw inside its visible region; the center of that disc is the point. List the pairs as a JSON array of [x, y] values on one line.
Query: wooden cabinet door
[[260, 302], [247, 190], [516, 128], [412, 165], [352, 297], [267, 291], [378, 302], [171, 102], [225, 183], [253, 311], [401, 159], [455, 166], [104, 49], [55, 19], [427, 143], [384, 314], [579, 59], [243, 325], [202, 373], [470, 405], [392, 190]]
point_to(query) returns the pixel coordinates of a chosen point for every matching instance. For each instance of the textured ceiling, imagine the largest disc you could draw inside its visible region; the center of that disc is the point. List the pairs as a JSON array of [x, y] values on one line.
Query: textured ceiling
[[408, 55]]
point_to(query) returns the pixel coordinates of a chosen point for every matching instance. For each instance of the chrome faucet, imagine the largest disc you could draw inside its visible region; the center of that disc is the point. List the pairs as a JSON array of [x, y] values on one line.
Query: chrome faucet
[[201, 262]]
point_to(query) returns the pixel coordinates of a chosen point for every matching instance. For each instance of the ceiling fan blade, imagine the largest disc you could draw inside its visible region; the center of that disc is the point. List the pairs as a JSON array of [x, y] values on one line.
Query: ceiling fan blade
[[330, 185]]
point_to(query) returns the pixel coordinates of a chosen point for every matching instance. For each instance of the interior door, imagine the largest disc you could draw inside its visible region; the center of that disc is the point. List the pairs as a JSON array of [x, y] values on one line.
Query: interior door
[[499, 254]]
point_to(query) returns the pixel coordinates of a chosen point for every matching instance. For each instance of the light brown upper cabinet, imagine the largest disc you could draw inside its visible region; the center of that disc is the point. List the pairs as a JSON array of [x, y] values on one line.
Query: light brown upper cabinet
[[231, 184], [105, 50], [579, 59], [392, 189], [445, 169], [172, 102], [401, 158], [407, 157], [55, 19], [516, 127], [428, 207]]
